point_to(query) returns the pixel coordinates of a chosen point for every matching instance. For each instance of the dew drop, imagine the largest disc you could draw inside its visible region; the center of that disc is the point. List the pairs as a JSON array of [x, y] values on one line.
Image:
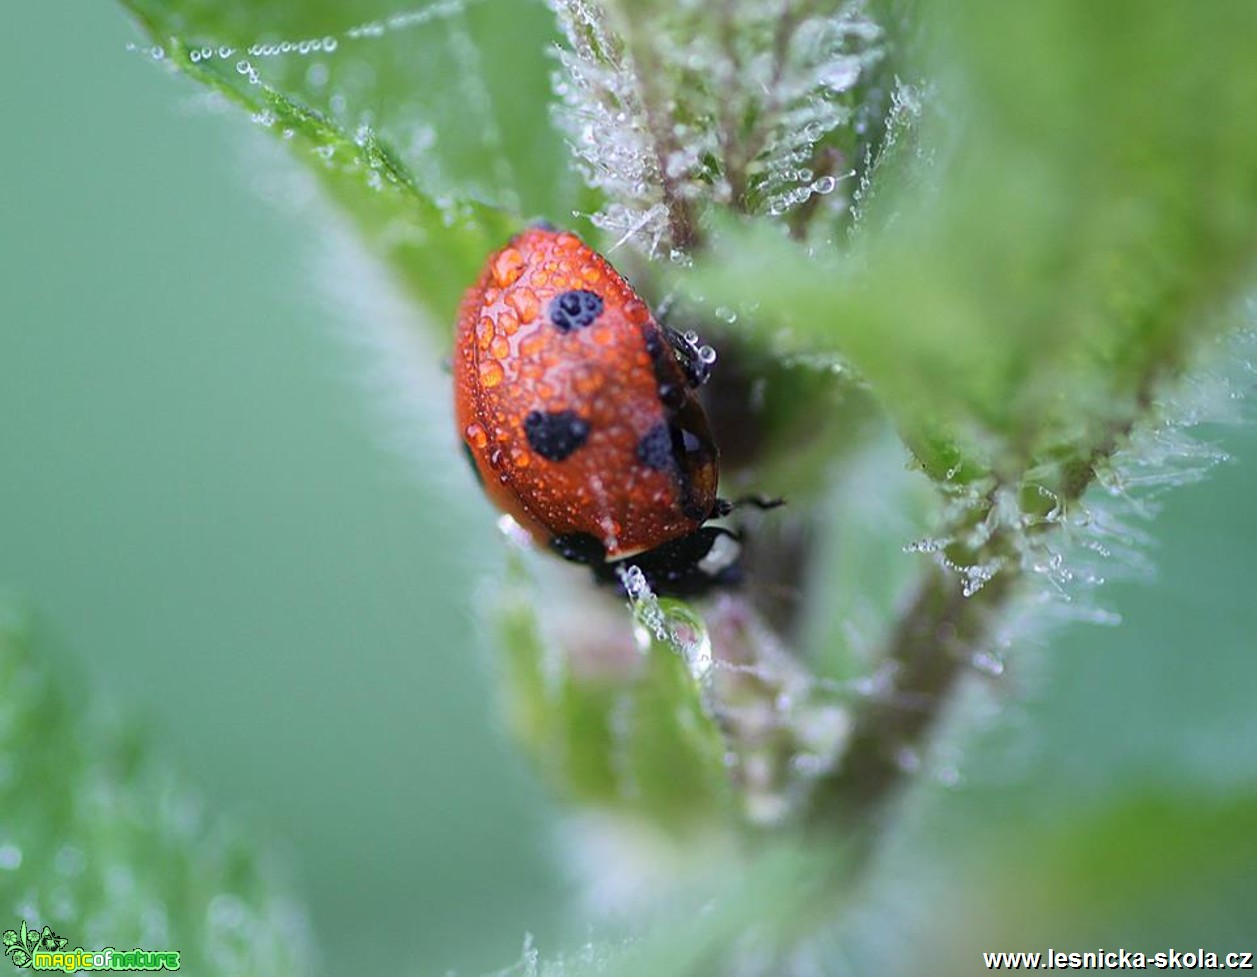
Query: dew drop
[[634, 581], [507, 267], [525, 303], [509, 325], [491, 374], [476, 435]]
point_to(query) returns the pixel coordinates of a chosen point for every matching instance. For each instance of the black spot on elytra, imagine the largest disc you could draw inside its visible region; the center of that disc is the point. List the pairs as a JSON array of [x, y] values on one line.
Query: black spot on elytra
[[575, 309], [555, 434], [654, 450]]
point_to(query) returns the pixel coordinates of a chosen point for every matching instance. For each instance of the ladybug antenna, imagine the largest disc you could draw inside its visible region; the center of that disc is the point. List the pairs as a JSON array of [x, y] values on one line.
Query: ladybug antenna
[[726, 506]]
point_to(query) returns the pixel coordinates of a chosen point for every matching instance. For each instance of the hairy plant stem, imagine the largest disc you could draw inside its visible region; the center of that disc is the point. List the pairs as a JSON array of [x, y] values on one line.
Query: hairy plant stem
[[738, 149], [682, 227], [928, 654], [932, 649]]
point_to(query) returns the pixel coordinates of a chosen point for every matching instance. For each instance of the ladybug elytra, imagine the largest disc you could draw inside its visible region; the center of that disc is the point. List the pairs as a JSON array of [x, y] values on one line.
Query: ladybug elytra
[[578, 412]]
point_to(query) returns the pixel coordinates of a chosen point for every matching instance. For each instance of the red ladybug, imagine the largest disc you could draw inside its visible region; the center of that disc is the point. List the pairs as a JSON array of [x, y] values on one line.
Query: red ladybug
[[578, 413]]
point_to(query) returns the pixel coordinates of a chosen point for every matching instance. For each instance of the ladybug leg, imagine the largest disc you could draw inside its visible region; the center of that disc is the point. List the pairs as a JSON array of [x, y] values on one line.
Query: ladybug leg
[[725, 506], [696, 360]]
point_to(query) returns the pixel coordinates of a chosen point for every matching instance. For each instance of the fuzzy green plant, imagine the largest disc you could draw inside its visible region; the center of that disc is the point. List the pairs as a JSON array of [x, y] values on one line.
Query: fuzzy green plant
[[972, 271], [104, 845]]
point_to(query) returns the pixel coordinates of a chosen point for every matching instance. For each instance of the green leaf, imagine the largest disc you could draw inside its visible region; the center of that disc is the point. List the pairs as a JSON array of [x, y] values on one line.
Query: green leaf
[[618, 722], [85, 792], [1151, 867], [1075, 222], [433, 175], [1061, 222], [435, 243], [675, 750], [883, 508]]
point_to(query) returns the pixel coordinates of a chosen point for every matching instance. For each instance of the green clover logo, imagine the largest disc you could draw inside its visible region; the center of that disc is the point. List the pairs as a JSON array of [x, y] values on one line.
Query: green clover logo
[[22, 946]]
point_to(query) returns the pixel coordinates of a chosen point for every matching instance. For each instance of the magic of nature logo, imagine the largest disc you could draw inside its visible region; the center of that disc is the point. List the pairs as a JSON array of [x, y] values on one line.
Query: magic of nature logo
[[45, 950]]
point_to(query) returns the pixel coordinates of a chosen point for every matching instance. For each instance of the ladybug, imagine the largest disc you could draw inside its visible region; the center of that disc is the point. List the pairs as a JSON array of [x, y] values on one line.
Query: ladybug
[[578, 413]]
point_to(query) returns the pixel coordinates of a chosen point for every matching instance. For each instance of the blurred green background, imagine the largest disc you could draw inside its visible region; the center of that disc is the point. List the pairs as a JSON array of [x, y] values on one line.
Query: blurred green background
[[199, 501]]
